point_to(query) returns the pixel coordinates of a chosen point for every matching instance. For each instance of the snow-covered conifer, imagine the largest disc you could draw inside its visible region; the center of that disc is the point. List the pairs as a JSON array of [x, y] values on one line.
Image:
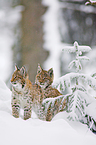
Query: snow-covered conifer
[[79, 100]]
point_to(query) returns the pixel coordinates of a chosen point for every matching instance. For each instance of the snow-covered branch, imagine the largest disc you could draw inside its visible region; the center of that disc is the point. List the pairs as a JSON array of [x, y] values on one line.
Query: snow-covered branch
[[91, 2], [76, 47], [66, 80]]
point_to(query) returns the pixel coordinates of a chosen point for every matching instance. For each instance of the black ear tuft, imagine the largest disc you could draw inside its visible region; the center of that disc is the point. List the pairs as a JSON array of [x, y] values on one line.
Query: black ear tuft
[[39, 69], [50, 72]]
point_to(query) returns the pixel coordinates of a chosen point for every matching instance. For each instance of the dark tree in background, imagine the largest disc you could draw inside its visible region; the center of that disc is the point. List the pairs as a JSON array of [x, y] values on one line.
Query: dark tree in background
[[32, 51]]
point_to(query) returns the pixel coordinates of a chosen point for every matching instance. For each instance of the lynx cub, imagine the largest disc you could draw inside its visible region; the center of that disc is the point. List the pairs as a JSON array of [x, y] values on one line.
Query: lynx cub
[[21, 93], [53, 102]]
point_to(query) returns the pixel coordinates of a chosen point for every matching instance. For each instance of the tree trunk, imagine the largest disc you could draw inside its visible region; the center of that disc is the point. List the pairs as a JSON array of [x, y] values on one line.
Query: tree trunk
[[32, 51]]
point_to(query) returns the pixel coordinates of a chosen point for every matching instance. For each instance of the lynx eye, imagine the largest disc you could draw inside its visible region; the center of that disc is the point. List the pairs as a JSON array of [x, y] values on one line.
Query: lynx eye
[[15, 77]]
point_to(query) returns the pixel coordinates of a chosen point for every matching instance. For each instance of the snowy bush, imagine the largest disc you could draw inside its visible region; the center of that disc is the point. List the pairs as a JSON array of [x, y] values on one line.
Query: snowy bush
[[80, 98]]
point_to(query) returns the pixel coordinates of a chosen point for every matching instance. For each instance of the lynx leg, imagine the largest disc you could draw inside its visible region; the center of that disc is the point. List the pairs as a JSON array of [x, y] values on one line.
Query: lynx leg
[[15, 110], [15, 107], [27, 113], [49, 114]]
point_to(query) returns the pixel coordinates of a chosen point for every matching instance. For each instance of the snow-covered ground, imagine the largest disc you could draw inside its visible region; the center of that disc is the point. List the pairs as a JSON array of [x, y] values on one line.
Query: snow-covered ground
[[34, 131]]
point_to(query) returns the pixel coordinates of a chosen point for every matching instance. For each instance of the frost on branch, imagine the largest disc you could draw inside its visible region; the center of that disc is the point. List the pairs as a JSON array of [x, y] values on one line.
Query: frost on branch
[[66, 81], [77, 49], [55, 105], [77, 105]]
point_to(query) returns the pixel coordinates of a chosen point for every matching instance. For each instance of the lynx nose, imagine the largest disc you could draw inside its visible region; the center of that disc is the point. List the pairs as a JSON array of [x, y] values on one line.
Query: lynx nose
[[11, 80]]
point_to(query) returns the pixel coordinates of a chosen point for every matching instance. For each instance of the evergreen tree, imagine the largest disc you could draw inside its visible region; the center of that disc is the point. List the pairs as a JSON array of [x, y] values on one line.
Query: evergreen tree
[[80, 102]]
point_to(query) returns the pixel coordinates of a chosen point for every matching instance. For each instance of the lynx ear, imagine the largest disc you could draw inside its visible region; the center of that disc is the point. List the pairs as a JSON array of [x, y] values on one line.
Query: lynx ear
[[23, 71], [50, 72], [16, 67], [39, 69]]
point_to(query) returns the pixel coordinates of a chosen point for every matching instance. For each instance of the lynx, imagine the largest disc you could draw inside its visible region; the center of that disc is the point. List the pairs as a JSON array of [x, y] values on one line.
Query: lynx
[[41, 97], [21, 93], [53, 101]]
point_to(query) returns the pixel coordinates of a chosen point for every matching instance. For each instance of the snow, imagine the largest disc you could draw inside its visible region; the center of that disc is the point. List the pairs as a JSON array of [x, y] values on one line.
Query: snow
[[34, 131], [51, 31], [91, 110], [9, 18]]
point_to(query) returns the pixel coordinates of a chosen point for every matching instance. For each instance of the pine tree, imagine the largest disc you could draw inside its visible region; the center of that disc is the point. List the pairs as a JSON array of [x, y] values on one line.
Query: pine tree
[[80, 101]]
